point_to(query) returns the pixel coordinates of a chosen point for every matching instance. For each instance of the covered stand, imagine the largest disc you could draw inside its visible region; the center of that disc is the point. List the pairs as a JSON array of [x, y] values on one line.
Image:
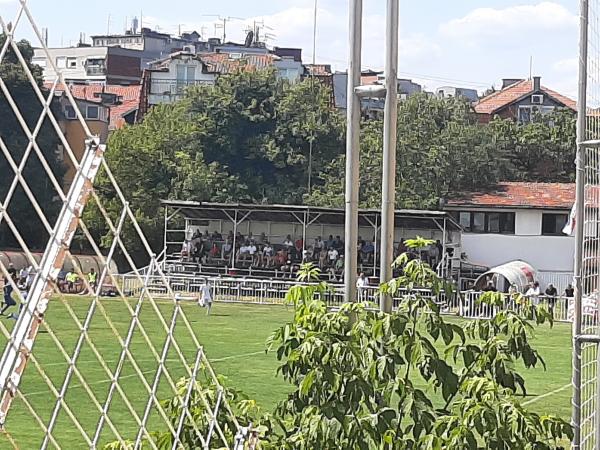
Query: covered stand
[[305, 222]]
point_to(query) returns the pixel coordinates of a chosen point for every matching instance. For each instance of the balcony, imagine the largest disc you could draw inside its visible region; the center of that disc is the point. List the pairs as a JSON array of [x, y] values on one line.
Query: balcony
[[174, 88], [95, 70]]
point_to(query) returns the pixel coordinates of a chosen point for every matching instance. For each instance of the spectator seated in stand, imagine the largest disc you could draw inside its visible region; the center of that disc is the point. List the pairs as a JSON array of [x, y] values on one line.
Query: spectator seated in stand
[[247, 252], [281, 258], [289, 269], [336, 271], [368, 251], [329, 242], [338, 244], [288, 242], [299, 250], [308, 254]]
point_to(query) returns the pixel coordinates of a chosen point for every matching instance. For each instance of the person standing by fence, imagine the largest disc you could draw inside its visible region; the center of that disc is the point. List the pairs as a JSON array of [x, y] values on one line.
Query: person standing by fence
[[551, 293]]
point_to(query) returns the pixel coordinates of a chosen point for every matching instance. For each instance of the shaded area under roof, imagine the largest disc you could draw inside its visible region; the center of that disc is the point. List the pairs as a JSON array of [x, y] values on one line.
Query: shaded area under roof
[[405, 218]]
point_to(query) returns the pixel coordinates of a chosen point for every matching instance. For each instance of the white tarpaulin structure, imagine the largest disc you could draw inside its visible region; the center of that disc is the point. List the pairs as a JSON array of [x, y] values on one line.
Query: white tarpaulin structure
[[519, 273]]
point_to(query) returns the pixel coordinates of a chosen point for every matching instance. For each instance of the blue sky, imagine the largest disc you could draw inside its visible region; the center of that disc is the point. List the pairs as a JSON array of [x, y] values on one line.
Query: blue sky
[[472, 43]]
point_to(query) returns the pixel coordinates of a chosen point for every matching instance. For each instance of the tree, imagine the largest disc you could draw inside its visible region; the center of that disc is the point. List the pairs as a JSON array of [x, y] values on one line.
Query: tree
[[14, 137], [358, 374], [440, 150], [541, 150], [443, 151], [158, 159], [244, 139], [260, 128]]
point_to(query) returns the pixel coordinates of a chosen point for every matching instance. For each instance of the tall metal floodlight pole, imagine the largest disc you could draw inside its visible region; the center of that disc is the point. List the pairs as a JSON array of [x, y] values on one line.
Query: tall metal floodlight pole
[[388, 186], [352, 150], [579, 216]]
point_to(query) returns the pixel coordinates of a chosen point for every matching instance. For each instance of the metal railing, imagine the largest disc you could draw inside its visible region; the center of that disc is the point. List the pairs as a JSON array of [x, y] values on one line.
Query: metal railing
[[173, 87], [465, 304]]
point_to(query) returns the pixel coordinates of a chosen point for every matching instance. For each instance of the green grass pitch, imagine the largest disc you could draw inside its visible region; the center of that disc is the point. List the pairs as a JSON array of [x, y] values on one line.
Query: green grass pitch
[[234, 340]]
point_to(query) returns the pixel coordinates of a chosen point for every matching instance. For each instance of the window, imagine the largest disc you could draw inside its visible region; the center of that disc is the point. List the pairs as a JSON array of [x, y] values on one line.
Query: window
[[464, 219], [95, 66], [70, 112], [552, 224], [478, 222], [61, 62], [72, 63], [528, 112], [92, 112], [486, 222]]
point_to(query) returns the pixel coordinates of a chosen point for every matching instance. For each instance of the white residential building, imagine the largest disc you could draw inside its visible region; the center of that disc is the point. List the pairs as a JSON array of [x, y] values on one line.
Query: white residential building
[[168, 78], [85, 64], [519, 221]]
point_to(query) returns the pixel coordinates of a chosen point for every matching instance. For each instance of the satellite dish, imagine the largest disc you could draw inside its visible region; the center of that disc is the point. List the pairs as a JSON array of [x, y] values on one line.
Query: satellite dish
[[249, 38]]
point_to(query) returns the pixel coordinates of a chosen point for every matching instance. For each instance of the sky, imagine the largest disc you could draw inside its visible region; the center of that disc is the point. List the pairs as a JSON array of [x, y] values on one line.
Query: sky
[[468, 43]]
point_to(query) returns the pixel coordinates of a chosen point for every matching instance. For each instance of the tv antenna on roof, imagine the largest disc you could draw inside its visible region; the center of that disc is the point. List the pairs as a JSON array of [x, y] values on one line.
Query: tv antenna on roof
[[222, 23]]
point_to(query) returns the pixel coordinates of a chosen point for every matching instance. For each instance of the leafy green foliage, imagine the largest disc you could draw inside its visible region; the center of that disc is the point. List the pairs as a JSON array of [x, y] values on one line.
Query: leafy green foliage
[[261, 129], [204, 396], [360, 375], [442, 150], [158, 159], [14, 137]]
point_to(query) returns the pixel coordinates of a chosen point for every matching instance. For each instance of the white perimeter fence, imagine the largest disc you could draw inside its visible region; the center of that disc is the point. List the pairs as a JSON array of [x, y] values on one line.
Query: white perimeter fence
[[268, 291]]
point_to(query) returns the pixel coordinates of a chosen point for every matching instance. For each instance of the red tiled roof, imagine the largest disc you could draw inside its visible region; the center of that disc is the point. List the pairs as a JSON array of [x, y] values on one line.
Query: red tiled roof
[[222, 63], [519, 195], [130, 98], [500, 99]]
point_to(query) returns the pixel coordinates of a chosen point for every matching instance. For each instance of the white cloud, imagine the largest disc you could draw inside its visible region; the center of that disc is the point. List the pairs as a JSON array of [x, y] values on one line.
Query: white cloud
[[569, 65], [489, 22], [293, 27]]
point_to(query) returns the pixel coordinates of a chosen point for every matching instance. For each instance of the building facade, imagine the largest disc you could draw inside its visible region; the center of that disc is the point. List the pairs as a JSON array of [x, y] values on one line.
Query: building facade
[[85, 64], [452, 91], [520, 100], [371, 107], [167, 79], [519, 221], [97, 118]]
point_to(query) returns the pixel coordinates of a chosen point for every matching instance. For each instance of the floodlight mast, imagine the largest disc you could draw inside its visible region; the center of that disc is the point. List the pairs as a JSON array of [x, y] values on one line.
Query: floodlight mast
[[388, 180], [355, 93], [352, 151]]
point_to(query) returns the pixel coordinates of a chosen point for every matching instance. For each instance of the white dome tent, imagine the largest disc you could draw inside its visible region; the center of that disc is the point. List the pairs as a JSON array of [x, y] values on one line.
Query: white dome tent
[[517, 272]]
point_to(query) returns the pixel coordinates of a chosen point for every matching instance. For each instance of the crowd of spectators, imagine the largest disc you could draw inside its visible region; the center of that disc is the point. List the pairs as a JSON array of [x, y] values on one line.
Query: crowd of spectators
[[262, 252]]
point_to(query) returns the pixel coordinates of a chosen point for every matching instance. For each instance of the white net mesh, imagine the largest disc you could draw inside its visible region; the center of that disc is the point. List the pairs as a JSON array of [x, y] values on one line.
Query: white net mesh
[[590, 264], [86, 370]]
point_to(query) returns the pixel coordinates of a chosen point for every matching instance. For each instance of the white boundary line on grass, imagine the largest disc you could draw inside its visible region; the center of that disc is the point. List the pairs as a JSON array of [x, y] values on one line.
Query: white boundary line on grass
[[108, 380], [547, 394], [224, 358]]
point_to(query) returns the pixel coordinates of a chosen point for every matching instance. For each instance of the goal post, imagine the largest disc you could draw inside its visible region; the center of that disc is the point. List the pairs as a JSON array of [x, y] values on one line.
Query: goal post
[[586, 329]]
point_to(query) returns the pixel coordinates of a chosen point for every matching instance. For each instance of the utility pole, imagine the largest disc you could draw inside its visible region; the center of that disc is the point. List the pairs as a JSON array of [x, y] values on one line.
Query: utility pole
[[352, 150], [388, 185]]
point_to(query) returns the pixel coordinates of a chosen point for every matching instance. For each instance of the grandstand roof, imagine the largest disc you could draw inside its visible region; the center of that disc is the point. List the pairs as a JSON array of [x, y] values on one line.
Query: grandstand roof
[[407, 218]]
